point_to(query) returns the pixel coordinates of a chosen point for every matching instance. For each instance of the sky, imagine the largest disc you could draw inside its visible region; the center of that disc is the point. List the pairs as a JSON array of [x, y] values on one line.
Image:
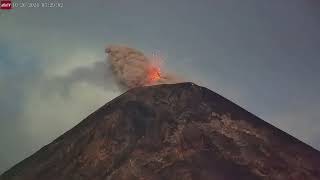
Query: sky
[[262, 55]]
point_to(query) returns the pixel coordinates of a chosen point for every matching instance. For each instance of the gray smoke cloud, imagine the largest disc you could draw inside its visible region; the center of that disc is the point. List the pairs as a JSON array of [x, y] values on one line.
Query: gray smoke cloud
[[125, 68], [131, 68]]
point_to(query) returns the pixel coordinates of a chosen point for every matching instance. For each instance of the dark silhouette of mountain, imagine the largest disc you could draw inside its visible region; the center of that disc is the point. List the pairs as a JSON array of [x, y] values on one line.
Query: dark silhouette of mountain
[[171, 132]]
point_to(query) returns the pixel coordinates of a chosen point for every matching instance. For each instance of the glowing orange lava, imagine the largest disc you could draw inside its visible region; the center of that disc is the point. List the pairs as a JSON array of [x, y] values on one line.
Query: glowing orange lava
[[154, 74]]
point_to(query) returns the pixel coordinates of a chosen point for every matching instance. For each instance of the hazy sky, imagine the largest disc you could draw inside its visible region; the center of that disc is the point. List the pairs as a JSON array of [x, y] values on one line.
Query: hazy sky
[[263, 55]]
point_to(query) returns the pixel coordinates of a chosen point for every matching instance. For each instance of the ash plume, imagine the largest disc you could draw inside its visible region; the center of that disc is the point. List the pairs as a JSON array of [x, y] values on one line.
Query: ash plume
[[131, 68]]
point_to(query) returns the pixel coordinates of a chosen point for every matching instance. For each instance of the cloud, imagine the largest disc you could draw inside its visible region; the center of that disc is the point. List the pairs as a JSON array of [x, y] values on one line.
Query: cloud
[[95, 74], [131, 68]]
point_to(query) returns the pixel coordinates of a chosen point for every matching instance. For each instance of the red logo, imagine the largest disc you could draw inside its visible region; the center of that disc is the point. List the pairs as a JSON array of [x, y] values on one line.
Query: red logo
[[5, 5]]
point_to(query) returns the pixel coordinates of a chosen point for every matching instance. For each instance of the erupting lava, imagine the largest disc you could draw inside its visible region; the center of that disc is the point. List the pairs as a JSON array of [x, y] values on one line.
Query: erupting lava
[[154, 74]]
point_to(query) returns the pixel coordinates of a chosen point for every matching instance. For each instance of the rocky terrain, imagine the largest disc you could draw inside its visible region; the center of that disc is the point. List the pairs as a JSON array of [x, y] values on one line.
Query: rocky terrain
[[171, 132]]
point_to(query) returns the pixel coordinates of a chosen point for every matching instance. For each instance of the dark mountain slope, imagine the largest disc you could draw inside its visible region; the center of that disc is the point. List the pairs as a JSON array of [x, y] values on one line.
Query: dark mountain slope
[[171, 132]]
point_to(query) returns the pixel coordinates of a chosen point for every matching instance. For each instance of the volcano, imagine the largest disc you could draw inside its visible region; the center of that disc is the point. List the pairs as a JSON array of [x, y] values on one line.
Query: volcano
[[171, 132]]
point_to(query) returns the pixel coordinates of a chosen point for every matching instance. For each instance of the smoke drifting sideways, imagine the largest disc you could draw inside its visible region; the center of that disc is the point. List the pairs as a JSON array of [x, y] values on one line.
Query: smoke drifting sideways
[[131, 68]]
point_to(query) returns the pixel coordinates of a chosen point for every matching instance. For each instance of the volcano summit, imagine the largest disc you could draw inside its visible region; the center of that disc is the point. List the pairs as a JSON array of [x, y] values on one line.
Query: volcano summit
[[171, 132]]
